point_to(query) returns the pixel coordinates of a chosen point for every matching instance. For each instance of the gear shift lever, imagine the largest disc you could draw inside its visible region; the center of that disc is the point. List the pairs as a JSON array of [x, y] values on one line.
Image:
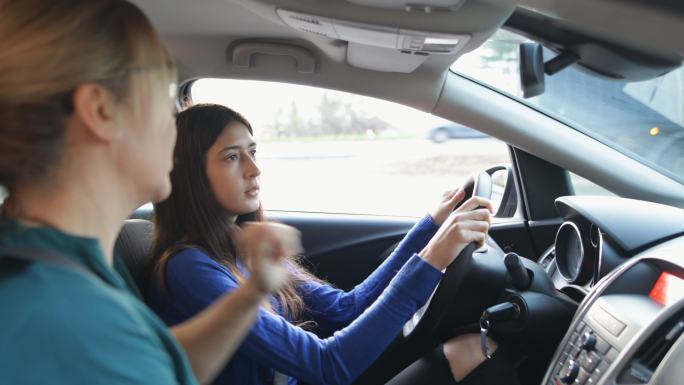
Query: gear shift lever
[[519, 275]]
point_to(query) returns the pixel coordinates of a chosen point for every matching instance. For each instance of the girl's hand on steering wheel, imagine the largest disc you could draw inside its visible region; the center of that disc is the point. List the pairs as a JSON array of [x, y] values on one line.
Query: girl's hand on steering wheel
[[263, 247], [447, 205], [469, 223]]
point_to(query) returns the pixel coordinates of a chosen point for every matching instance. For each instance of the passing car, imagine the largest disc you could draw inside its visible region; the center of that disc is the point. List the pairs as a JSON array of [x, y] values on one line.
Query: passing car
[[599, 286], [445, 132]]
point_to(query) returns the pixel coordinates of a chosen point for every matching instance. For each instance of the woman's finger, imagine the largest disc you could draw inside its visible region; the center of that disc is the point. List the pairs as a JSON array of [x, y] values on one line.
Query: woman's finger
[[456, 197], [475, 202], [477, 215], [476, 226], [475, 236], [481, 239]]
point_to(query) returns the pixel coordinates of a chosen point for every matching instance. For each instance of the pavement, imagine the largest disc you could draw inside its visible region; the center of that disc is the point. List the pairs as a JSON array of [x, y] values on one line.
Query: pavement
[[388, 177]]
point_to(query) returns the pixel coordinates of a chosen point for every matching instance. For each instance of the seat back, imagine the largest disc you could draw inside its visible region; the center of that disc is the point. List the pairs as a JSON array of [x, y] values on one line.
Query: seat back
[[134, 246]]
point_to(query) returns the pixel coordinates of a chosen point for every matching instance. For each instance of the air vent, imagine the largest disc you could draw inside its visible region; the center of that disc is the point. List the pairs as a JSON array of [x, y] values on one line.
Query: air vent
[[306, 19], [314, 32], [318, 25], [651, 354]]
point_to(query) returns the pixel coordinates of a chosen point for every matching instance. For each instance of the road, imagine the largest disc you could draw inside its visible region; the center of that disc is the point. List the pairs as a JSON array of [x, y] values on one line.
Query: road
[[395, 177]]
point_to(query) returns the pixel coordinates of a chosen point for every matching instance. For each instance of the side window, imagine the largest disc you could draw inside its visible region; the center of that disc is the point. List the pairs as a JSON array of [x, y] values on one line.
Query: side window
[[327, 151], [586, 187]]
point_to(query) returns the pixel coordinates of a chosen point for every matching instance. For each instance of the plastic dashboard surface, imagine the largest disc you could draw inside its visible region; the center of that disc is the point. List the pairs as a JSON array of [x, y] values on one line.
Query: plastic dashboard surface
[[601, 233], [629, 327]]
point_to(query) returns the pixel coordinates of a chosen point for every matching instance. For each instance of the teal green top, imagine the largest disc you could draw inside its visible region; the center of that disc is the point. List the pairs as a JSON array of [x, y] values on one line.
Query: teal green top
[[61, 326]]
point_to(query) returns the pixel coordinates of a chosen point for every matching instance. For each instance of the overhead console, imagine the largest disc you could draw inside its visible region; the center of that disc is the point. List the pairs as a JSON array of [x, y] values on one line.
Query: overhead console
[[375, 35], [390, 35], [377, 47]]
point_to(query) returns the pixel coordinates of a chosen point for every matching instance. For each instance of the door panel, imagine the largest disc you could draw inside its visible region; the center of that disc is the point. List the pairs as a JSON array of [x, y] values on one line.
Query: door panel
[[345, 249]]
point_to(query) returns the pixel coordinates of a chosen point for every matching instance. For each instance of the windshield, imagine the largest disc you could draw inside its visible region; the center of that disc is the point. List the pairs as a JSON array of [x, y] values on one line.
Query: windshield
[[643, 120]]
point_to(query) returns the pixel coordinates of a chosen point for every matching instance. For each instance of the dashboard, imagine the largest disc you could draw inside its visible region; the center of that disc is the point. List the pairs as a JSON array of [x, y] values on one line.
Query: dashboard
[[624, 261], [601, 233]]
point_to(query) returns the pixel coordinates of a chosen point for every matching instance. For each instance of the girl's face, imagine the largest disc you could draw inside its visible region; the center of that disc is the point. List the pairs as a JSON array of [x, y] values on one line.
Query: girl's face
[[232, 170]]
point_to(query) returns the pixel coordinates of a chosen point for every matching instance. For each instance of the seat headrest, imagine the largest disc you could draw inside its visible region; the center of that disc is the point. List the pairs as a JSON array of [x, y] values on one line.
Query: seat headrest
[[134, 246]]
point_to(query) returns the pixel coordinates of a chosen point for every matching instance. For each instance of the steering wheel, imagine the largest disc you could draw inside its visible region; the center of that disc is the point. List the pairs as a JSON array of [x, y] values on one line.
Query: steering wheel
[[474, 281], [430, 316]]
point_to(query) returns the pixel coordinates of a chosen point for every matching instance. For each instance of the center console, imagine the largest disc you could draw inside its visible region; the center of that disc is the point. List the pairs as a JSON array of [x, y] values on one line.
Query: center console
[[629, 329]]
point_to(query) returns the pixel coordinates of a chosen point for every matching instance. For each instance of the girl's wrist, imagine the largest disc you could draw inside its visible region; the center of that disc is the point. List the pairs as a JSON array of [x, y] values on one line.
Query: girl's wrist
[[429, 256]]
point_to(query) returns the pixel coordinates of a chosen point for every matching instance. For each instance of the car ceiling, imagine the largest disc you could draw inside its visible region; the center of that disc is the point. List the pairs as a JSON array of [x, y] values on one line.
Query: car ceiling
[[658, 26], [199, 37]]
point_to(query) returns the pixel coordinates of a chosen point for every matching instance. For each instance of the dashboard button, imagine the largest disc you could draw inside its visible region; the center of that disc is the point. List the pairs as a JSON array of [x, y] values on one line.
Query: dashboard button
[[595, 357], [574, 338], [593, 379], [569, 372], [611, 355], [582, 377], [574, 351], [601, 345], [602, 368], [588, 341], [610, 323], [580, 327], [589, 360]]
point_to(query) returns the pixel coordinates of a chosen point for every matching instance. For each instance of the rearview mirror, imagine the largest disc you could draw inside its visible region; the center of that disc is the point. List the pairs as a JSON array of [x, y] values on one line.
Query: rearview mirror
[[531, 70]]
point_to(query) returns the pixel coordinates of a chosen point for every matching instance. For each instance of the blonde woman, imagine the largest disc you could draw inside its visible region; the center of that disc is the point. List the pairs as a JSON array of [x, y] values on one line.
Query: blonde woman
[[86, 101]]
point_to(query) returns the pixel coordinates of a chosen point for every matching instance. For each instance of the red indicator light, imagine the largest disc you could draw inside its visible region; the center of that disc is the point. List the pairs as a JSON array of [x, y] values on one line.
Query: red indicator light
[[668, 289]]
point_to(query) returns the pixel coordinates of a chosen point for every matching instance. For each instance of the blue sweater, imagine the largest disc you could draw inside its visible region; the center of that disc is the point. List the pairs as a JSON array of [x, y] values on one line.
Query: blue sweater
[[367, 317]]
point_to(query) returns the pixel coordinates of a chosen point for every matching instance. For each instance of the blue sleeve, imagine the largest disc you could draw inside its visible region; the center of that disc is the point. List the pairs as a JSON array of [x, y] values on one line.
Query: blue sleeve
[[194, 280], [333, 308]]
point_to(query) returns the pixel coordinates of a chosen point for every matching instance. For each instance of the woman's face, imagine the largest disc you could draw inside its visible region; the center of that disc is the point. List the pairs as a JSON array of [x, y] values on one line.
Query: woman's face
[[150, 137], [232, 170]]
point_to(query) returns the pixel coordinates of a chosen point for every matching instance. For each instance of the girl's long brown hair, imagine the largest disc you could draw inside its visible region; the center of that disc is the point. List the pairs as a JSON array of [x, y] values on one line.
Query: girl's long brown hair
[[192, 217]]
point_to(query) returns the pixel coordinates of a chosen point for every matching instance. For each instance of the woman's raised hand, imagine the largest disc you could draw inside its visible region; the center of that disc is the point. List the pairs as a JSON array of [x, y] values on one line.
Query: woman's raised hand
[[469, 223], [263, 247]]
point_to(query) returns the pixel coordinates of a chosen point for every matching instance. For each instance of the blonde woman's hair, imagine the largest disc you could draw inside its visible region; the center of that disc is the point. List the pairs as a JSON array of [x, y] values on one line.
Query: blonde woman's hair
[[49, 48]]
